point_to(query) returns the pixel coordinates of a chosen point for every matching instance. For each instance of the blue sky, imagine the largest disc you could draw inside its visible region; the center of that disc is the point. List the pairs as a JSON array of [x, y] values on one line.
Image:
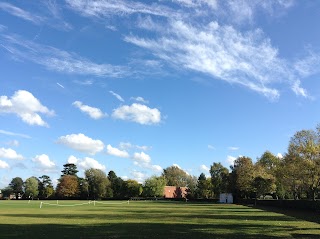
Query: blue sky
[[137, 86]]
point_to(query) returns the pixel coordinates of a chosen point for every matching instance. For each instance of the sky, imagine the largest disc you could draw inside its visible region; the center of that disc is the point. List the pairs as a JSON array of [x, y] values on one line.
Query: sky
[[138, 86]]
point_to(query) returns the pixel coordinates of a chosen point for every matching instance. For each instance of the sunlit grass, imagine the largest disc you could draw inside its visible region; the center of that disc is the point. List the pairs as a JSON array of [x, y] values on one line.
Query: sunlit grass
[[145, 219]]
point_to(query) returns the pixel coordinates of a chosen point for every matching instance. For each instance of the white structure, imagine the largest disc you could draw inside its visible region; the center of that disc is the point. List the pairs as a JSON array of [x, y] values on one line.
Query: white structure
[[226, 198]]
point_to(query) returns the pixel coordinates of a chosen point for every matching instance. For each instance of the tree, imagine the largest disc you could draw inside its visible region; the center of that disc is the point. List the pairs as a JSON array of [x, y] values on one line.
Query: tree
[[175, 176], [219, 179], [243, 176], [69, 169], [31, 187], [204, 187], [154, 186], [98, 183], [84, 188], [305, 146], [68, 186], [45, 187], [117, 184], [269, 162], [16, 185], [132, 188]]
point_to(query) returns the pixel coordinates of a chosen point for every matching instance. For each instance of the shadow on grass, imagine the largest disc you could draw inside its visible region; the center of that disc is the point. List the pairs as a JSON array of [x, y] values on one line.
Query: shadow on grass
[[154, 216], [305, 215], [138, 230]]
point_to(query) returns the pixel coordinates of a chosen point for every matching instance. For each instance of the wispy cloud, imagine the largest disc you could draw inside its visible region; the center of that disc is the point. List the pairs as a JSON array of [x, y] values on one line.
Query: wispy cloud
[[232, 148], [222, 52], [58, 60], [140, 99], [107, 8], [116, 95], [14, 134], [60, 85], [18, 12], [49, 15]]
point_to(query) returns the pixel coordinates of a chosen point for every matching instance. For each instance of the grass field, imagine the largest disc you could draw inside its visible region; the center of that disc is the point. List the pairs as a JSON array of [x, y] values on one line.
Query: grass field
[[153, 219]]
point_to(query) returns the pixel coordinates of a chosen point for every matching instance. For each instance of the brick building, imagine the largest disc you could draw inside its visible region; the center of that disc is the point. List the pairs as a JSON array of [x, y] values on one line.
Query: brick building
[[175, 192]]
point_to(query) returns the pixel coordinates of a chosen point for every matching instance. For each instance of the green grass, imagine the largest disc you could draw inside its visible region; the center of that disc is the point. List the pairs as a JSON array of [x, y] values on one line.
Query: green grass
[[140, 219]]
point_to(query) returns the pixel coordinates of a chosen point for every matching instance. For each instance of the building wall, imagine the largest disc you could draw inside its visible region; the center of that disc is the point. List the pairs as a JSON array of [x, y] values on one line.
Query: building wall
[[226, 198], [175, 192]]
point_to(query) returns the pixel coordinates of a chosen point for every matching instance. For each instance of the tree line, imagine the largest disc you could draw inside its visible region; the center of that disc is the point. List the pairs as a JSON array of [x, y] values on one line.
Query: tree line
[[296, 175]]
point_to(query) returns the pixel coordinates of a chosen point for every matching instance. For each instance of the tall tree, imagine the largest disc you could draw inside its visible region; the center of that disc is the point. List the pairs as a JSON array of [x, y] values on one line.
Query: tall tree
[[243, 176], [154, 186], [31, 187], [305, 147], [69, 169], [68, 186], [84, 188], [204, 187], [219, 179], [45, 187], [175, 176], [16, 185], [132, 188], [98, 183], [117, 185]]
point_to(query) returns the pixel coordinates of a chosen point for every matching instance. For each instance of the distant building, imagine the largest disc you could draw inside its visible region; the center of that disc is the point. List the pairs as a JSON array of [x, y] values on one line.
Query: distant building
[[226, 198], [175, 192]]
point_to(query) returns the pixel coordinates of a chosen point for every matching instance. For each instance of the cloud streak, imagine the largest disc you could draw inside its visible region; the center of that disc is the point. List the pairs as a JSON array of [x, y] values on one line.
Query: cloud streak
[[58, 60]]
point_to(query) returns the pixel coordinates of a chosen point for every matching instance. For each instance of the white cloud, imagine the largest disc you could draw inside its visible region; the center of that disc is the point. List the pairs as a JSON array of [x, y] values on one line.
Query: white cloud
[[14, 134], [231, 159], [25, 106], [72, 159], [3, 165], [211, 147], [43, 161], [128, 145], [176, 165], [93, 112], [308, 65], [156, 168], [116, 95], [138, 113], [13, 143], [280, 156], [142, 157], [233, 148], [60, 85], [204, 168], [82, 143], [140, 99], [249, 9], [88, 163], [117, 152], [220, 51], [106, 8], [18, 12], [138, 176], [58, 60], [9, 153]]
